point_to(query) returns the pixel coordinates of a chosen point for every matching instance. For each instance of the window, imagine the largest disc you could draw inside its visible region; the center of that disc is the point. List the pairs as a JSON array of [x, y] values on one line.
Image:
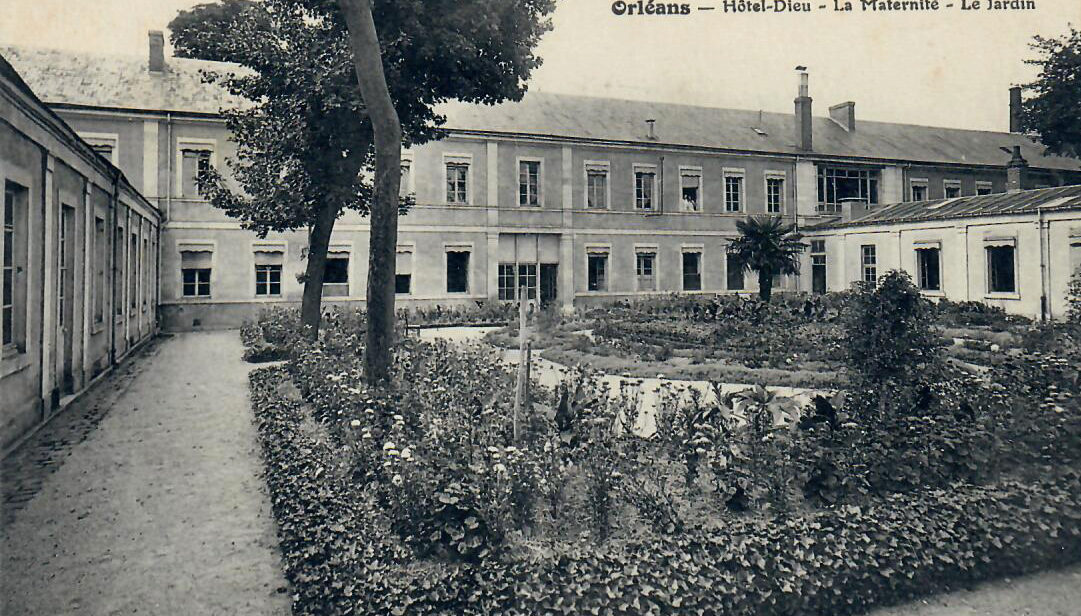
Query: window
[[100, 261], [733, 193], [507, 286], [597, 185], [194, 164], [919, 190], [195, 269], [106, 150], [119, 246], [984, 188], [597, 274], [870, 263], [818, 266], [692, 271], [529, 183], [15, 254], [644, 182], [928, 265], [336, 275], [645, 267], [458, 183], [148, 267], [733, 273], [690, 183], [104, 144], [1001, 276], [406, 186], [403, 271], [527, 277], [457, 271], [837, 184], [268, 273], [774, 195], [951, 189], [133, 274]]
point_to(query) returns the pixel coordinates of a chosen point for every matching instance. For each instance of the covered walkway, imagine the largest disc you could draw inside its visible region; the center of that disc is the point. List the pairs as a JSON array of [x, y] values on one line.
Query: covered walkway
[[146, 496]]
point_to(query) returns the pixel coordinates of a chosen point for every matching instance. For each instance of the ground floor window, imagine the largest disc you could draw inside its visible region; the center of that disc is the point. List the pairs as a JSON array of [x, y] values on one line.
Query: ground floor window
[[928, 266], [870, 263], [597, 274], [14, 246], [457, 271], [336, 275], [403, 272], [1001, 276], [692, 271], [646, 270], [195, 270], [733, 273], [268, 279]]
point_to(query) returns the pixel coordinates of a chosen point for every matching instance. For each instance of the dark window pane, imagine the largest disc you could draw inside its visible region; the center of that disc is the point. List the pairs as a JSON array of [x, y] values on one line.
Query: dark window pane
[[402, 283], [337, 270], [457, 272]]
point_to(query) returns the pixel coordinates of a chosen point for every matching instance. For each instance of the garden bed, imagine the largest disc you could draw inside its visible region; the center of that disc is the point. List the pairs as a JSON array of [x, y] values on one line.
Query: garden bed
[[342, 558]]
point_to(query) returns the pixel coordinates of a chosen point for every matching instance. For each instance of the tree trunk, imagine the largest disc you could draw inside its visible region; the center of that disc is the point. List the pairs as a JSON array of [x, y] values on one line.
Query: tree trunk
[[318, 243], [765, 284], [387, 132]]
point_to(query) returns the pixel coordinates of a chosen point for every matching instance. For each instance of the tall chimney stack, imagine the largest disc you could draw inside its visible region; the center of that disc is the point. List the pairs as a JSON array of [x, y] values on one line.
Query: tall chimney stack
[[803, 112], [1015, 109], [1016, 171], [157, 51]]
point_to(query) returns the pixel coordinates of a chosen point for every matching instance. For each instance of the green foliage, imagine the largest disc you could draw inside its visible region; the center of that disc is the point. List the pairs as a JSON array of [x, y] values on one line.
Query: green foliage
[[840, 560], [1053, 111], [1073, 298], [767, 246], [889, 332]]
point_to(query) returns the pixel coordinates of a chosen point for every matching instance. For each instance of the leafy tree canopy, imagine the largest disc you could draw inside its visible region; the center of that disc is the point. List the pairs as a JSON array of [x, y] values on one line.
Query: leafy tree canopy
[[1053, 111], [306, 134]]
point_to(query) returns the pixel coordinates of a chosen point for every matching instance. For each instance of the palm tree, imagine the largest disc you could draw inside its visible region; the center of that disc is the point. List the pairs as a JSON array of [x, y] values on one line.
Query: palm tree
[[767, 246]]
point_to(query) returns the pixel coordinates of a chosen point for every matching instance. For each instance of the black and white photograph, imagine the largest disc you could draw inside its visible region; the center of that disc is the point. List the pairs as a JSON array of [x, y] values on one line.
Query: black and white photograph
[[540, 307]]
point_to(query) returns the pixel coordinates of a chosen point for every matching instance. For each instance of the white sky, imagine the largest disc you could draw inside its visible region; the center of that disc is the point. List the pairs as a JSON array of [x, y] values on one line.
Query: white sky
[[944, 68]]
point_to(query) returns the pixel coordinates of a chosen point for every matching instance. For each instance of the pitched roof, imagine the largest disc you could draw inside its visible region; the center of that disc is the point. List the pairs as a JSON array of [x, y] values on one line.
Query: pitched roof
[[1021, 202], [124, 82], [708, 127], [64, 77]]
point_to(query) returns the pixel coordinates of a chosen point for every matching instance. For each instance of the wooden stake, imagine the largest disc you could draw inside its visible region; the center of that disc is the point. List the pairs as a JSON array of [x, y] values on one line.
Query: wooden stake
[[519, 389]]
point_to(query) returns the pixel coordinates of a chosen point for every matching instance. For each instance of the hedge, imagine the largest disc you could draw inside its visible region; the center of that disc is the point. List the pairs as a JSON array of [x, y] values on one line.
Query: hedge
[[341, 559]]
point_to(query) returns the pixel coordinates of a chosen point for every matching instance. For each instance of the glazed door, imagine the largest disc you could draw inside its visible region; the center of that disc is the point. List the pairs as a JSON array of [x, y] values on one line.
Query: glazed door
[[65, 294]]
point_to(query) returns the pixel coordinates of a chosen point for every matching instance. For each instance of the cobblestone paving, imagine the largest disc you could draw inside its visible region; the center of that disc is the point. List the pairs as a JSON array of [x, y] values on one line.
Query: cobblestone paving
[[146, 496]]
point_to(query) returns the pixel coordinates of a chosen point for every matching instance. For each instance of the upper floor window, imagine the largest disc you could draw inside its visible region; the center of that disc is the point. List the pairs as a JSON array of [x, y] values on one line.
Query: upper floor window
[[918, 188], [984, 188], [529, 183], [104, 144], [645, 181], [774, 195], [951, 189], [733, 192], [837, 184], [195, 163], [690, 184], [597, 185], [458, 183]]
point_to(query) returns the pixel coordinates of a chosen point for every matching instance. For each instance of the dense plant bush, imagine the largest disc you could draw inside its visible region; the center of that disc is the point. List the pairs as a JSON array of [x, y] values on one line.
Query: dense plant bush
[[341, 559]]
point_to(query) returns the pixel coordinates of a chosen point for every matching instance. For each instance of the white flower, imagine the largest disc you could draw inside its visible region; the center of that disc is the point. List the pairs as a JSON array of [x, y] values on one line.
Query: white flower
[[396, 480], [355, 423], [499, 468], [387, 446], [407, 454], [995, 348]]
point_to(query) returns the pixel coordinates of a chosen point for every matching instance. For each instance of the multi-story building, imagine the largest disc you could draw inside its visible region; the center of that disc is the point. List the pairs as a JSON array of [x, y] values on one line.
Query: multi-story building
[[580, 199], [79, 248]]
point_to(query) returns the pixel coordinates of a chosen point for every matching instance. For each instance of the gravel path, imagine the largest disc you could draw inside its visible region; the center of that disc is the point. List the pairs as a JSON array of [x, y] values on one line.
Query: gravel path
[[146, 496]]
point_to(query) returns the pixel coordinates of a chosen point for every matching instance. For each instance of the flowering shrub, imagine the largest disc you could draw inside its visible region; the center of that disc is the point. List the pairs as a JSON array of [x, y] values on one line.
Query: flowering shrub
[[341, 559]]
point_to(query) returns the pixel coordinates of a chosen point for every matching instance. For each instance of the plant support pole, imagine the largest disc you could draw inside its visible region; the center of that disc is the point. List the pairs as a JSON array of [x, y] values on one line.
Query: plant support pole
[[523, 360]]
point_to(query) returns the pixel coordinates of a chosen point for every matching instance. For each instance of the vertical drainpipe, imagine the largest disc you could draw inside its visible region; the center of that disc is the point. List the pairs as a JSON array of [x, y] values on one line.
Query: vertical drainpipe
[[660, 186]]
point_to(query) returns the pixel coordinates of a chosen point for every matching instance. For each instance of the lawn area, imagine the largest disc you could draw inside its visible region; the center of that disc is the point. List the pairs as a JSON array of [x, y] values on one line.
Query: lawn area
[[918, 476]]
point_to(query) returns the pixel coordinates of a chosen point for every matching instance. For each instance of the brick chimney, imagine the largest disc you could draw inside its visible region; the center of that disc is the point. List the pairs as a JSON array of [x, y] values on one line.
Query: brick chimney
[[157, 51], [845, 115], [803, 112], [1015, 109], [1016, 171]]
